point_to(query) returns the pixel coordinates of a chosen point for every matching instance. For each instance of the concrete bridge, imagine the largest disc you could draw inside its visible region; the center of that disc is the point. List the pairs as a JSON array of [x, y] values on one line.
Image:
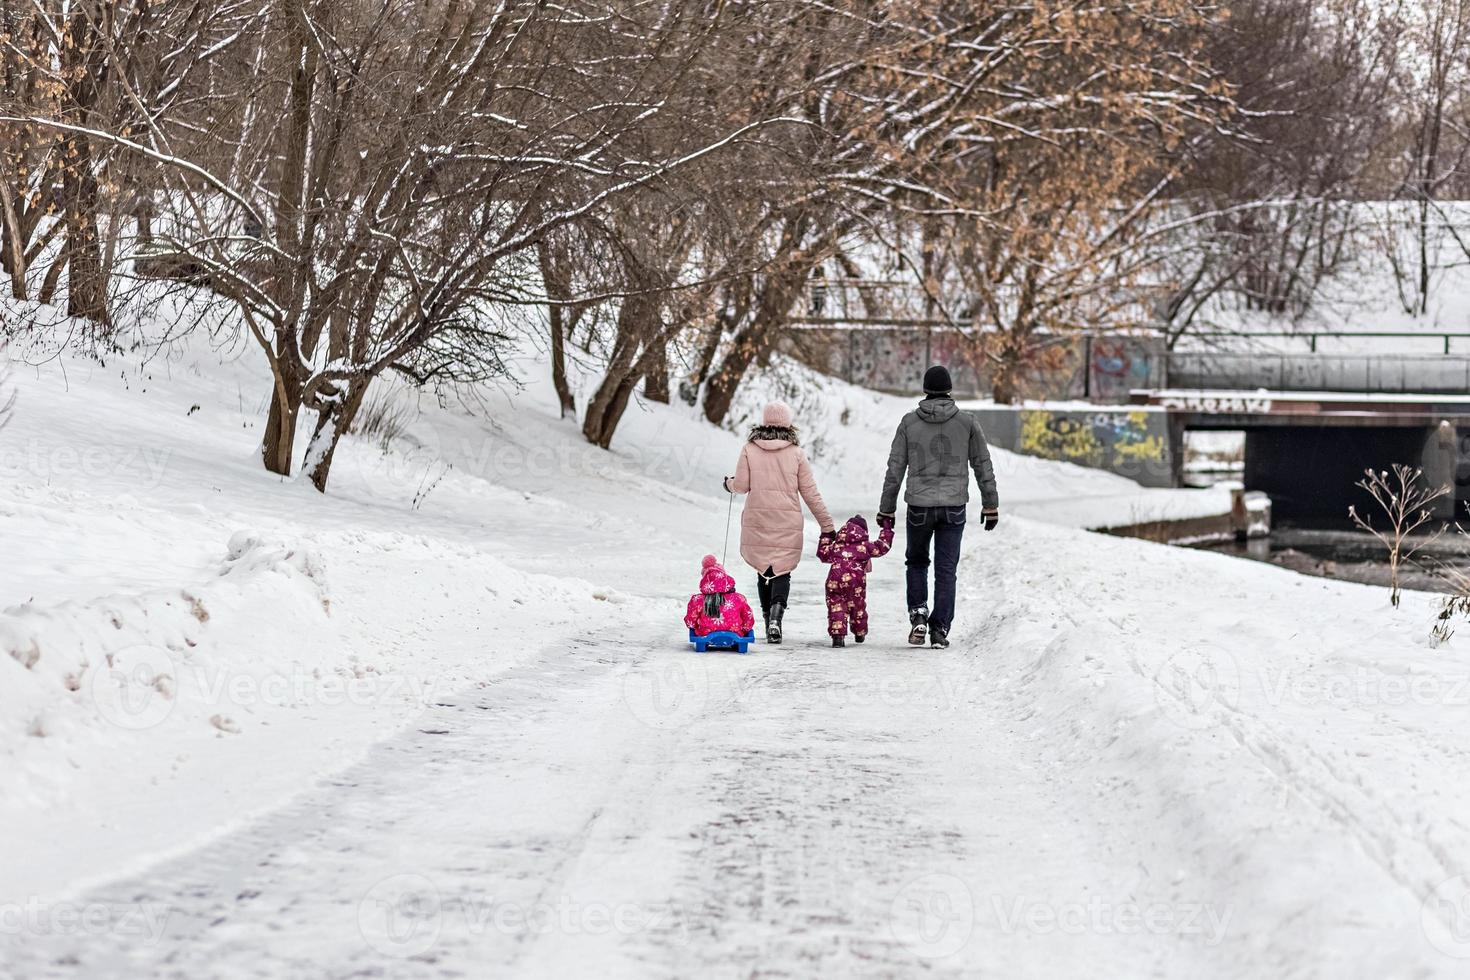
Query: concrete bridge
[[1305, 450], [1317, 407]]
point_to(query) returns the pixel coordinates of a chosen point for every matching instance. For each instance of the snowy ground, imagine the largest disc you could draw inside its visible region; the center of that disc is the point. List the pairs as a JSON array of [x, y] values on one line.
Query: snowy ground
[[247, 731]]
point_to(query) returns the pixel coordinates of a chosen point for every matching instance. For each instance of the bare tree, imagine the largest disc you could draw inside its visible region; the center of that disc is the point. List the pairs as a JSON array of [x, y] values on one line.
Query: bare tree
[[1404, 502], [1436, 123], [69, 71], [402, 164], [555, 259], [652, 244], [1044, 246], [972, 120]]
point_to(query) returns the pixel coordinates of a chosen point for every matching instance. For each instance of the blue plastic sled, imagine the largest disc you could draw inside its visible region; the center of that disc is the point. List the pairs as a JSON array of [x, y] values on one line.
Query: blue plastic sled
[[722, 640]]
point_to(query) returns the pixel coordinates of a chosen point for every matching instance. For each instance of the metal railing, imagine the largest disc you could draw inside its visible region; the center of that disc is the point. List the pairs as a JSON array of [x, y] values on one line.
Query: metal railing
[[1386, 373], [1441, 338]]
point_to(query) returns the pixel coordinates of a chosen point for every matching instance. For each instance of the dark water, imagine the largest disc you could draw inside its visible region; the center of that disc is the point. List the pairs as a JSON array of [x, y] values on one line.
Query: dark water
[[1441, 564]]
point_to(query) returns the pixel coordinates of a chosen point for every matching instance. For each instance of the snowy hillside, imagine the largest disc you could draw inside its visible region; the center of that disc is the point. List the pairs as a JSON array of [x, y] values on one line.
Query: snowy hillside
[[442, 720]]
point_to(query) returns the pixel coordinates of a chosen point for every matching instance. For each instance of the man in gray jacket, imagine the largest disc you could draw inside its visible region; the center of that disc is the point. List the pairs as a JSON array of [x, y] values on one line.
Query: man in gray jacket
[[936, 444]]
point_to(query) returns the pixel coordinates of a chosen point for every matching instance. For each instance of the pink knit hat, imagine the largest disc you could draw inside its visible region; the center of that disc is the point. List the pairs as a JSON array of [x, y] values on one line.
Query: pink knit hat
[[777, 414], [714, 580]]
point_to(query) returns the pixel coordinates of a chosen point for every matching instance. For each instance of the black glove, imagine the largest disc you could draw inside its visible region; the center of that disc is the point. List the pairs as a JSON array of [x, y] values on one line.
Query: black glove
[[991, 518], [885, 520], [829, 536]]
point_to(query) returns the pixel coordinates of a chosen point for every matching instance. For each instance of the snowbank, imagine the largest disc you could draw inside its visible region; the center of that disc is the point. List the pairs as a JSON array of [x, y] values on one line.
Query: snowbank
[[79, 676], [1298, 746]]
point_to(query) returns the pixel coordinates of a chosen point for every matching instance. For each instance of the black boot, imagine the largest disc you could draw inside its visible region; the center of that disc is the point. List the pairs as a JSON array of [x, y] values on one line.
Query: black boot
[[939, 638], [773, 628], [859, 637], [919, 621], [837, 641]]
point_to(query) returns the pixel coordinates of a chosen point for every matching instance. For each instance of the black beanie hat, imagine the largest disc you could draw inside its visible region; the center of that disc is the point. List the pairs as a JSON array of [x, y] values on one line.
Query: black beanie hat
[[936, 380]]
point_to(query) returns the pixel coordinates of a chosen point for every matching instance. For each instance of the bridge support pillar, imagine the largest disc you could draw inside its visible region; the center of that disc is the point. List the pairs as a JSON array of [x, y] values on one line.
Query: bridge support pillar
[[1439, 461]]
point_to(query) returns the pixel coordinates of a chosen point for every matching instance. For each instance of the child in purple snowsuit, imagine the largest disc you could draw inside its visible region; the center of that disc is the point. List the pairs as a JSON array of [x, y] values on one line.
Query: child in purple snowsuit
[[850, 554]]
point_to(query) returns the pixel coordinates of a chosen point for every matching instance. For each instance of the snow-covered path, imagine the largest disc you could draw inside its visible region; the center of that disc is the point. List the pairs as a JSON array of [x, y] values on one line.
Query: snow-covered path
[[798, 812], [634, 809]]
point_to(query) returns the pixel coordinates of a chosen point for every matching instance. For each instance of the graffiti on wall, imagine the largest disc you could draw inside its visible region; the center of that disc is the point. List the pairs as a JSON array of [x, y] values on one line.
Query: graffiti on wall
[[1119, 365], [1128, 434], [1063, 437], [1120, 441], [886, 359], [1103, 369], [1217, 404]]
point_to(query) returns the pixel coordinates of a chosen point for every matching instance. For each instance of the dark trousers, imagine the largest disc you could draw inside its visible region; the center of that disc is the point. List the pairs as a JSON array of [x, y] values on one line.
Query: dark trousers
[[773, 589], [945, 527]]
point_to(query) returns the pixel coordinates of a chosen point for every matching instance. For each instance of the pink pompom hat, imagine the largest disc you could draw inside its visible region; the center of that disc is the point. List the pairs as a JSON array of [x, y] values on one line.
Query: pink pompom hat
[[777, 414]]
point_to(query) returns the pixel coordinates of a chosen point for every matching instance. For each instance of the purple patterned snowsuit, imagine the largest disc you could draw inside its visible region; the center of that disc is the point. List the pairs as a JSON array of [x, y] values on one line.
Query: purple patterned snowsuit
[[850, 555]]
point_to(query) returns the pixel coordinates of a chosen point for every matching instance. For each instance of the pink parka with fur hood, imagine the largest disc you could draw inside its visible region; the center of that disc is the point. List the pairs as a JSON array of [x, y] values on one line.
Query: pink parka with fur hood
[[776, 475]]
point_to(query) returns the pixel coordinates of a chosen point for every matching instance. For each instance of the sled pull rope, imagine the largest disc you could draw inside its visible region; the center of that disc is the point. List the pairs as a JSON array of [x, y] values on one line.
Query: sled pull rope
[[729, 513]]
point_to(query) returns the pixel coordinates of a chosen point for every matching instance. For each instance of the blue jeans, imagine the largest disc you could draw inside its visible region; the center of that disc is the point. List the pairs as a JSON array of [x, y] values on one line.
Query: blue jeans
[[945, 526]]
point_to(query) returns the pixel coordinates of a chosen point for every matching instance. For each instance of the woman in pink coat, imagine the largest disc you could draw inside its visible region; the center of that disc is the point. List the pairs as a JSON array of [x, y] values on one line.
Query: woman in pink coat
[[775, 473]]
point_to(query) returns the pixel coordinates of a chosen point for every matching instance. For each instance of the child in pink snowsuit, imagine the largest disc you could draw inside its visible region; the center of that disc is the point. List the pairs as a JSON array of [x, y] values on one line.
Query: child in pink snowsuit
[[718, 606], [850, 554]]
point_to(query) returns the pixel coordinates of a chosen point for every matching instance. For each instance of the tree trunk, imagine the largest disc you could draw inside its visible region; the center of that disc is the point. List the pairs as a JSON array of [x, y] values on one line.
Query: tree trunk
[[613, 411], [778, 294], [1005, 384], [86, 281], [276, 445], [557, 289], [331, 424], [1003, 388], [53, 276], [86, 284], [719, 394], [707, 352], [656, 381], [559, 363], [1421, 305], [12, 248], [623, 371]]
